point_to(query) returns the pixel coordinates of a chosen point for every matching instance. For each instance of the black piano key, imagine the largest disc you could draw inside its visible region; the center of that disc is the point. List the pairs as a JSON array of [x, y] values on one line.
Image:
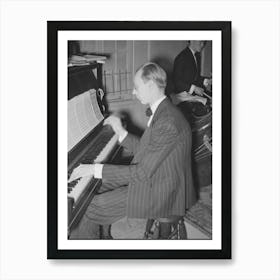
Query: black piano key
[[87, 160], [91, 154], [73, 183], [93, 150]]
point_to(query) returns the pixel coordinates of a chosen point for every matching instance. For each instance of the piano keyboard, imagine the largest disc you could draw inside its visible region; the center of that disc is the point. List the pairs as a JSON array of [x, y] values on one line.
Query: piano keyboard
[[98, 153], [106, 150]]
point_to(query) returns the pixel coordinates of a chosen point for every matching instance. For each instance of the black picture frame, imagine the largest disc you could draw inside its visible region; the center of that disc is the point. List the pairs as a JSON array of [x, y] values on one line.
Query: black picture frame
[[53, 27]]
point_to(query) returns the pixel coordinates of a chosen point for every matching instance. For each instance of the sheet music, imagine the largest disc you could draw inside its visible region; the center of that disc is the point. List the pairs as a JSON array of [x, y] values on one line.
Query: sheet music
[[86, 59], [83, 115]]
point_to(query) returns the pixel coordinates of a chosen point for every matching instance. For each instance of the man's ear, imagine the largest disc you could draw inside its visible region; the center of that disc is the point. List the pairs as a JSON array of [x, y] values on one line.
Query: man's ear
[[151, 84]]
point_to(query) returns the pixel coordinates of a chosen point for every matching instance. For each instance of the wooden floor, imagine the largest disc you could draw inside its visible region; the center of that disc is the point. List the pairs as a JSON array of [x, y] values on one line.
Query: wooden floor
[[135, 228], [198, 221]]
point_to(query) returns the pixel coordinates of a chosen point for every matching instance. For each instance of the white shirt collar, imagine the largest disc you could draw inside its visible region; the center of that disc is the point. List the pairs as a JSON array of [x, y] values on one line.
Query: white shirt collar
[[193, 52], [153, 107]]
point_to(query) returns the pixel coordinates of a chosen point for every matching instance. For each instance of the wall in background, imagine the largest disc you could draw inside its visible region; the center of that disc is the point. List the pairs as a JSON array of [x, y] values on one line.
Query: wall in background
[[206, 60], [125, 57]]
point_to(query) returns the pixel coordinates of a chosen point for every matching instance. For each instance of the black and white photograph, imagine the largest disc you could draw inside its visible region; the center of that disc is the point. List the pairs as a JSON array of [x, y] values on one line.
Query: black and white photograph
[[155, 166], [138, 117], [139, 140]]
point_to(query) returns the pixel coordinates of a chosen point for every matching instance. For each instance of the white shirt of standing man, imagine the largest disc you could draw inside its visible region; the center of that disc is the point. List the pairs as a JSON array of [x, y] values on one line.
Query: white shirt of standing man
[[198, 46]]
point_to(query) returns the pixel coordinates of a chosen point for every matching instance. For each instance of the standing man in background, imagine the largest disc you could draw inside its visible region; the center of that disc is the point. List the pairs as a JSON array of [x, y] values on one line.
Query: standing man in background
[[158, 183], [186, 73]]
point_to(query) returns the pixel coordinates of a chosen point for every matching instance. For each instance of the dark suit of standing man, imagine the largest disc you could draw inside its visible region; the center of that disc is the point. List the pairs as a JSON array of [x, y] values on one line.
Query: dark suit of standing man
[[158, 182], [186, 73]]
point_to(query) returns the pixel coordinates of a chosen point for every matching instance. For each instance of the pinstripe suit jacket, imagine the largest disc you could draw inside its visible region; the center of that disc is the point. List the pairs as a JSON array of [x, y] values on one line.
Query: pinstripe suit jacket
[[159, 177]]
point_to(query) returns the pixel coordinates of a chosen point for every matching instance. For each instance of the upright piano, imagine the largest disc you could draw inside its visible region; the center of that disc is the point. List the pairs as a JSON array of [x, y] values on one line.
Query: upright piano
[[88, 140]]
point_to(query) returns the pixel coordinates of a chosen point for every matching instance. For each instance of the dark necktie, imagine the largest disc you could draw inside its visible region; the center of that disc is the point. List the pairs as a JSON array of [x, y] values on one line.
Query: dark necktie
[[198, 64], [149, 112]]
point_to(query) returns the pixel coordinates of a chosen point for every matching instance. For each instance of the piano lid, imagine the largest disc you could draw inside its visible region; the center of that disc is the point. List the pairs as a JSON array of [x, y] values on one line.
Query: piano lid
[[82, 78]]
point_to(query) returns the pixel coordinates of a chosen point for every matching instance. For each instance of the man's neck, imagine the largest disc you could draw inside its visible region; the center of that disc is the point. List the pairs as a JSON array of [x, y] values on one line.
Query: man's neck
[[158, 97], [155, 104]]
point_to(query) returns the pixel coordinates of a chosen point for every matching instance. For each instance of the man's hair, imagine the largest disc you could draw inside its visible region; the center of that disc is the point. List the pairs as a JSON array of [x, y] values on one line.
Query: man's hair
[[189, 42], [152, 71]]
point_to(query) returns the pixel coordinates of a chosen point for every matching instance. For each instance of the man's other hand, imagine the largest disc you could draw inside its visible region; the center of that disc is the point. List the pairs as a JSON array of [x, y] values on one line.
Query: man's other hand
[[116, 124], [83, 170], [198, 90]]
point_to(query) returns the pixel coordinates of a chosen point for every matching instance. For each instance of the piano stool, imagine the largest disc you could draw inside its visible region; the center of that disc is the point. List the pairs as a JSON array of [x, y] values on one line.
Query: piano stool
[[128, 228], [166, 228]]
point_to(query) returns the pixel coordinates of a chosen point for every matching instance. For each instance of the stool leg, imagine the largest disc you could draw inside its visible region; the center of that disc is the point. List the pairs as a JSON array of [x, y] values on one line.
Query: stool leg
[[182, 232], [149, 225], [174, 232], [105, 232], [165, 230], [155, 234]]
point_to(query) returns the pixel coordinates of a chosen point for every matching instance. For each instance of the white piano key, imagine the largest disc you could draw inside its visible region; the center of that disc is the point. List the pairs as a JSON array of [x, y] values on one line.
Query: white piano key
[[78, 189], [106, 150]]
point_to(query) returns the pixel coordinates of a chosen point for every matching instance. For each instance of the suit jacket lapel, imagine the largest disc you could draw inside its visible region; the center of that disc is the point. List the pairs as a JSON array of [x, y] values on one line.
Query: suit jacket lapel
[[146, 136], [194, 62], [192, 56], [162, 106]]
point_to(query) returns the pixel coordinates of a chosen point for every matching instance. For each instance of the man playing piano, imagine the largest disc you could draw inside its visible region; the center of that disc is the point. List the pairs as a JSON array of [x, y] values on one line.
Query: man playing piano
[[158, 181]]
